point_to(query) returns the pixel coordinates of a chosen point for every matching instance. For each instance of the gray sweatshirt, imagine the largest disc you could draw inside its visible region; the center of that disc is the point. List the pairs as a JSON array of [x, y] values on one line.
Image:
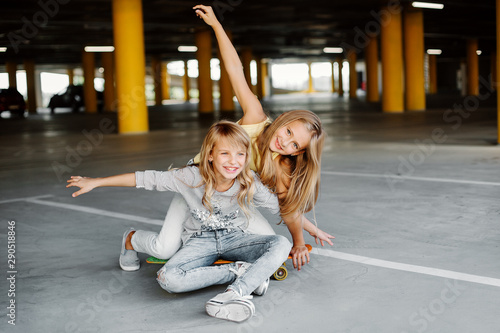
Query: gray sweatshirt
[[227, 214]]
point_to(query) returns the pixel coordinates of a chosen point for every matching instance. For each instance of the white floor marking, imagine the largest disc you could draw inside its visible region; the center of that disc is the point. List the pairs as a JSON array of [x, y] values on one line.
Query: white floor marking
[[96, 211], [24, 199], [426, 179], [408, 268]]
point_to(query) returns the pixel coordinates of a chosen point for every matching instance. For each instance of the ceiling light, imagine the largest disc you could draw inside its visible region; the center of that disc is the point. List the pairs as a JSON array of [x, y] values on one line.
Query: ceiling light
[[479, 52], [427, 5], [99, 48], [187, 48], [333, 50], [3, 49], [434, 51]]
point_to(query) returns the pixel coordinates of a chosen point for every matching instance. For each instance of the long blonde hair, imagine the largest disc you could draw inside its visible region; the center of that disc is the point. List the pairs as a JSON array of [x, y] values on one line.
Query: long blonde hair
[[301, 173], [235, 136]]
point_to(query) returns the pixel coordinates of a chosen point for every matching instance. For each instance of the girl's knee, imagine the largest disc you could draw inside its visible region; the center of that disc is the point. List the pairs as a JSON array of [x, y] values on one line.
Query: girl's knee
[[282, 243], [169, 280]]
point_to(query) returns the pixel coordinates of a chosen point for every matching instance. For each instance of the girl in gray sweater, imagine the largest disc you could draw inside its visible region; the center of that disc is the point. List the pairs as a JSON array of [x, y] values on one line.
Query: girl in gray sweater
[[221, 193]]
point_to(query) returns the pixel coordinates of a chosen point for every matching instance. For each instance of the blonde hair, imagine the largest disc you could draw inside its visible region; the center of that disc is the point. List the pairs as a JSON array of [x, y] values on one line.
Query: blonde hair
[[301, 173], [235, 136]]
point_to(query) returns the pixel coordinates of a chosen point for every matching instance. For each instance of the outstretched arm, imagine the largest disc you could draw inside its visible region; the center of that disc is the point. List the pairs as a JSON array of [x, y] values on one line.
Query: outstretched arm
[[252, 109], [87, 184], [318, 234]]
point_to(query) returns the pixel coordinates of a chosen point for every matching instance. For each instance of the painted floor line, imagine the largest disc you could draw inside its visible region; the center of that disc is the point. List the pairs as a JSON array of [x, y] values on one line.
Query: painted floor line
[[96, 211], [24, 199], [408, 268], [402, 178]]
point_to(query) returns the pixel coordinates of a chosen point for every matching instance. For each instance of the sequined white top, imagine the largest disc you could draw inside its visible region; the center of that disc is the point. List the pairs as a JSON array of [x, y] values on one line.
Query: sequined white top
[[227, 214]]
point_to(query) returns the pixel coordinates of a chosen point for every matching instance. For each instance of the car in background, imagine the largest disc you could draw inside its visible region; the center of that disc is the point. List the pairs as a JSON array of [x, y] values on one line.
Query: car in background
[[72, 98], [12, 100]]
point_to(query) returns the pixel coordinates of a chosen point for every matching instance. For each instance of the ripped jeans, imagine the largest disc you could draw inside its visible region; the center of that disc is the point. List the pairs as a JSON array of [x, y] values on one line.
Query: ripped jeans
[[165, 244], [191, 267]]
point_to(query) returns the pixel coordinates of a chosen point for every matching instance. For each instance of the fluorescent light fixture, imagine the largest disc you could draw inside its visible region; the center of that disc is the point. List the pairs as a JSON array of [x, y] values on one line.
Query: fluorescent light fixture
[[3, 49], [333, 50], [185, 48], [427, 5], [478, 52], [434, 51], [99, 48]]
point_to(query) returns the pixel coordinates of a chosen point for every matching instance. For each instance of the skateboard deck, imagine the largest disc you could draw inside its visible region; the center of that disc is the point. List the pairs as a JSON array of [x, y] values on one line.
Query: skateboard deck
[[280, 274]]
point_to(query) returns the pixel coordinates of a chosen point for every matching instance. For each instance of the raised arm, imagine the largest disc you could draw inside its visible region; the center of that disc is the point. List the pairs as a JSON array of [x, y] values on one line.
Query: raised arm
[[252, 109], [87, 184]]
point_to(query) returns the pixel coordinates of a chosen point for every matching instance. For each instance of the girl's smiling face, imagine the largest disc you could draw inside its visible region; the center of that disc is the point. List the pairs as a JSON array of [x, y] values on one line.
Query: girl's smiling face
[[228, 161], [290, 139]]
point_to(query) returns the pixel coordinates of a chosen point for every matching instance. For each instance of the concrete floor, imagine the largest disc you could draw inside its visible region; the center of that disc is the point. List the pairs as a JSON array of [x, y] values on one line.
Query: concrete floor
[[412, 199]]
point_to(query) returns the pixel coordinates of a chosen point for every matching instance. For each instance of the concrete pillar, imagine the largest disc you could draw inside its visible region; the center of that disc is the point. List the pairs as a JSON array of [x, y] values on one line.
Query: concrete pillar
[[392, 63], [165, 80], [107, 59], [414, 54], [341, 84], [371, 62], [29, 67], [130, 65], [493, 62], [204, 55], [433, 74], [71, 76], [157, 81], [333, 76], [11, 68], [310, 87], [472, 68], [353, 75], [186, 84], [225, 88], [89, 93]]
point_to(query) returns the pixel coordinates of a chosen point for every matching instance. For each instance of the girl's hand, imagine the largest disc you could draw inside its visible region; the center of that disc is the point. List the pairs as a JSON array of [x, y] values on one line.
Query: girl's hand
[[207, 14], [300, 256], [84, 183], [321, 236]]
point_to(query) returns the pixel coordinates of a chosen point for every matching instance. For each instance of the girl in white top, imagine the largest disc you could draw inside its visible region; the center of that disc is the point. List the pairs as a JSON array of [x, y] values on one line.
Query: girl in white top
[[220, 192]]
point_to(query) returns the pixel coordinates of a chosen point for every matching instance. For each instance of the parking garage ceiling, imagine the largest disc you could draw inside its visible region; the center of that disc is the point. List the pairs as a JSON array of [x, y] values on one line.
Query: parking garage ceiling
[[55, 31]]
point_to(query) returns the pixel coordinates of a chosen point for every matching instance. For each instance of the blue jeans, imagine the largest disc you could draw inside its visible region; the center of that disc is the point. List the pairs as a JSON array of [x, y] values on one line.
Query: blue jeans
[[191, 267]]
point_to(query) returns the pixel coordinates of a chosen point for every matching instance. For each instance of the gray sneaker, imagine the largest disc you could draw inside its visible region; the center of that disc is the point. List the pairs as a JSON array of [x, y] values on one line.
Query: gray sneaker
[[129, 261], [230, 306]]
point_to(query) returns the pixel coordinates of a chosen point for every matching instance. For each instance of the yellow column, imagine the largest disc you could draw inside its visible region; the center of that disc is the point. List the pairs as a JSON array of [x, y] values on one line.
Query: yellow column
[[333, 76], [71, 75], [89, 93], [204, 54], [165, 80], [472, 68], [310, 88], [341, 84], [186, 82], [246, 58], [130, 66], [392, 63], [371, 62], [11, 68], [109, 81], [264, 77], [414, 59], [498, 67], [432, 74], [29, 67], [353, 75], [260, 79], [157, 81]]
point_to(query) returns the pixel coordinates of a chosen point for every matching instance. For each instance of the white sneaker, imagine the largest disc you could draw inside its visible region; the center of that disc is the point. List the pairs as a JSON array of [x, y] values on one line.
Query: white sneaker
[[129, 261], [230, 306], [241, 267]]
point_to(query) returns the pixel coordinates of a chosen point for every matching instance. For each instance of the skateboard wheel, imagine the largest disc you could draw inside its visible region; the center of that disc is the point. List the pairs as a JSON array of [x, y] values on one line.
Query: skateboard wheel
[[281, 273]]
